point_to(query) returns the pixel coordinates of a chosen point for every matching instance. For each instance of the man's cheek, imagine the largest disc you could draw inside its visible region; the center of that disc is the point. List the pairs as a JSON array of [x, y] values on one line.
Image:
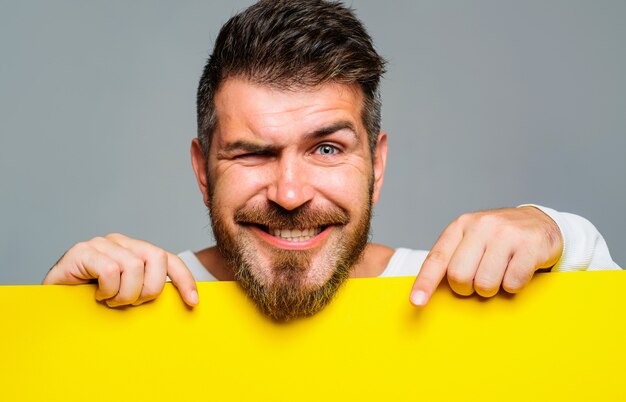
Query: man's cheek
[[237, 187], [344, 183]]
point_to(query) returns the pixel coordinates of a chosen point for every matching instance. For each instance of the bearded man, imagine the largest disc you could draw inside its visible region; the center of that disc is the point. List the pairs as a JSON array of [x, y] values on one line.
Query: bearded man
[[289, 159]]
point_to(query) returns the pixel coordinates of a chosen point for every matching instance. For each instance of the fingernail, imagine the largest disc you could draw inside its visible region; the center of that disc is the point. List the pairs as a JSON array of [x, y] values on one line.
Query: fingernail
[[193, 297], [419, 298]]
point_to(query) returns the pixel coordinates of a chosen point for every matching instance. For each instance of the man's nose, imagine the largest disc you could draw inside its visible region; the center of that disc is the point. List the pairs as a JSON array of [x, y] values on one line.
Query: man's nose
[[290, 188]]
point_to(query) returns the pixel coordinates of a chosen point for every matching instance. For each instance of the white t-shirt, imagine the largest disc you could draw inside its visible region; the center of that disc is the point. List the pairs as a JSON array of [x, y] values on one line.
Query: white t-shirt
[[584, 249], [404, 262]]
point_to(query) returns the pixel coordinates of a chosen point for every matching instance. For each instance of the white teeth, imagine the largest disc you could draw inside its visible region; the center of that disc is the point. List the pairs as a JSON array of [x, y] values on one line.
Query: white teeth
[[295, 235]]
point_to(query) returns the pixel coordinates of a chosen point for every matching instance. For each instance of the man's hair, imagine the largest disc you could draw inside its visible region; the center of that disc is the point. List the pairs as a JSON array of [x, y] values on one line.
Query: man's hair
[[293, 44]]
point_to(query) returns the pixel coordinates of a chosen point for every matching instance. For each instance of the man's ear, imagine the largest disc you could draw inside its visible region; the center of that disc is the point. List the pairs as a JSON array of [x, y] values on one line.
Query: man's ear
[[199, 163], [380, 161]]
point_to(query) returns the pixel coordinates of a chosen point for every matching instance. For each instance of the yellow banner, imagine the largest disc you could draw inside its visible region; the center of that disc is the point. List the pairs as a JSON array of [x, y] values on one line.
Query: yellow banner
[[562, 338]]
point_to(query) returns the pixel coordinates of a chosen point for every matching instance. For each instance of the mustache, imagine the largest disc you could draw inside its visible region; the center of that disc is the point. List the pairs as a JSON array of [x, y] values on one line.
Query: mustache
[[273, 215]]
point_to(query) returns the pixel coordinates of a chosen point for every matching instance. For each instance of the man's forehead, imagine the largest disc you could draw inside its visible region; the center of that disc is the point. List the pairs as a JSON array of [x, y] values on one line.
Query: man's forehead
[[242, 106]]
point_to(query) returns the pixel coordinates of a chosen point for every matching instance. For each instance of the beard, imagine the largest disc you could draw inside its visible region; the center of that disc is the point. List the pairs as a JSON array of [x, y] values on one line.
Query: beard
[[286, 293]]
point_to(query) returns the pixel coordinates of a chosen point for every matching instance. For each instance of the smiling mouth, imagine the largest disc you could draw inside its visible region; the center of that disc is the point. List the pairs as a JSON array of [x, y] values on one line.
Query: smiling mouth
[[293, 235]]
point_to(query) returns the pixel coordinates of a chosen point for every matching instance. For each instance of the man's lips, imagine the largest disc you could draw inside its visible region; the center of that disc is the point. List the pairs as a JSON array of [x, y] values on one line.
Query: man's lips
[[294, 239]]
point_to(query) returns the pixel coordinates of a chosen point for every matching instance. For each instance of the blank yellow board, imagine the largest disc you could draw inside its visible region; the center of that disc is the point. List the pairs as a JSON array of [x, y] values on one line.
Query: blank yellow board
[[562, 338]]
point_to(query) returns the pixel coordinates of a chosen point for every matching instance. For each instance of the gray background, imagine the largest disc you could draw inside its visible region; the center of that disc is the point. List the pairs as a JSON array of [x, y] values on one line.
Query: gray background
[[487, 104]]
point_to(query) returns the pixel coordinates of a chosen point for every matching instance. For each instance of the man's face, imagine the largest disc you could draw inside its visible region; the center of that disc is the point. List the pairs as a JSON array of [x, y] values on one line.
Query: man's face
[[290, 188]]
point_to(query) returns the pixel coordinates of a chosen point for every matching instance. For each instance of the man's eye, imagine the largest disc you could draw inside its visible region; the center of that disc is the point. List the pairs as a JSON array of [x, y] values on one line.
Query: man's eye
[[249, 155], [327, 149]]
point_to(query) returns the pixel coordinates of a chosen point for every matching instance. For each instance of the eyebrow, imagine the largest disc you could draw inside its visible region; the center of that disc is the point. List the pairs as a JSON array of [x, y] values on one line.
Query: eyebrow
[[260, 148], [333, 128], [247, 146]]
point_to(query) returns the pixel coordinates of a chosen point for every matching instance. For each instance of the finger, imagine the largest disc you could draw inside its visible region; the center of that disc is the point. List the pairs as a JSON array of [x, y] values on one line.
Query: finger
[[492, 267], [78, 265], [154, 261], [154, 276], [131, 271], [182, 279], [83, 263], [435, 265], [176, 269], [464, 264], [108, 274], [519, 272], [131, 284]]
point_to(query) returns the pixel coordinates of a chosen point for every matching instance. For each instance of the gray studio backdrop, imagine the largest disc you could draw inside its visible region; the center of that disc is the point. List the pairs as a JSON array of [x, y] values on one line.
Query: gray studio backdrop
[[487, 104]]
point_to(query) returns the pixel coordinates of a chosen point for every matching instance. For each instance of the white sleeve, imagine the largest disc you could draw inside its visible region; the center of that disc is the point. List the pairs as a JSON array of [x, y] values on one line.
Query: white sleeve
[[584, 248]]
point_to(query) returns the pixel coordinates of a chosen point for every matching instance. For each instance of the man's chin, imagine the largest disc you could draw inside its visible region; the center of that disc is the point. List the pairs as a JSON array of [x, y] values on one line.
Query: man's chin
[[289, 296], [291, 282]]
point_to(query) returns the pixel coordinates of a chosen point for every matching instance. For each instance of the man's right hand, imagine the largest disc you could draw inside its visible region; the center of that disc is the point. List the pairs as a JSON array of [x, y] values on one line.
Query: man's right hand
[[129, 271]]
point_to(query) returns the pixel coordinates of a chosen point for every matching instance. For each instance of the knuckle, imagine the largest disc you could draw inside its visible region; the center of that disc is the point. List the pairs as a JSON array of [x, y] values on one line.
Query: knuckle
[[140, 301], [511, 235], [109, 269], [124, 299], [81, 247], [115, 302], [159, 254], [489, 221], [514, 282], [459, 277], [461, 289], [486, 287], [134, 263], [437, 256], [512, 286], [485, 283], [114, 236], [508, 230], [150, 293], [487, 293], [97, 239], [174, 258], [464, 219]]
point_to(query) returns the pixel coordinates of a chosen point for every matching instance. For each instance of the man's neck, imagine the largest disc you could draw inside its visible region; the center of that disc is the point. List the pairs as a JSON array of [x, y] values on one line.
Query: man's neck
[[214, 262], [372, 263]]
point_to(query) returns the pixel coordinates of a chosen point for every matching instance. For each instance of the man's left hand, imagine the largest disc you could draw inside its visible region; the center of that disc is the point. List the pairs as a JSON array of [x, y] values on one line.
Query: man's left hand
[[481, 251]]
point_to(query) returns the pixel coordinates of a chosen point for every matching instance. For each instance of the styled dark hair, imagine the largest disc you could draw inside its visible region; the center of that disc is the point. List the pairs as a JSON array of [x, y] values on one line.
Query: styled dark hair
[[293, 44]]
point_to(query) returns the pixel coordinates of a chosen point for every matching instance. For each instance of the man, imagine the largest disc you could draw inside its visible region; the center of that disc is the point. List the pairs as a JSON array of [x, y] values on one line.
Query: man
[[290, 159]]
